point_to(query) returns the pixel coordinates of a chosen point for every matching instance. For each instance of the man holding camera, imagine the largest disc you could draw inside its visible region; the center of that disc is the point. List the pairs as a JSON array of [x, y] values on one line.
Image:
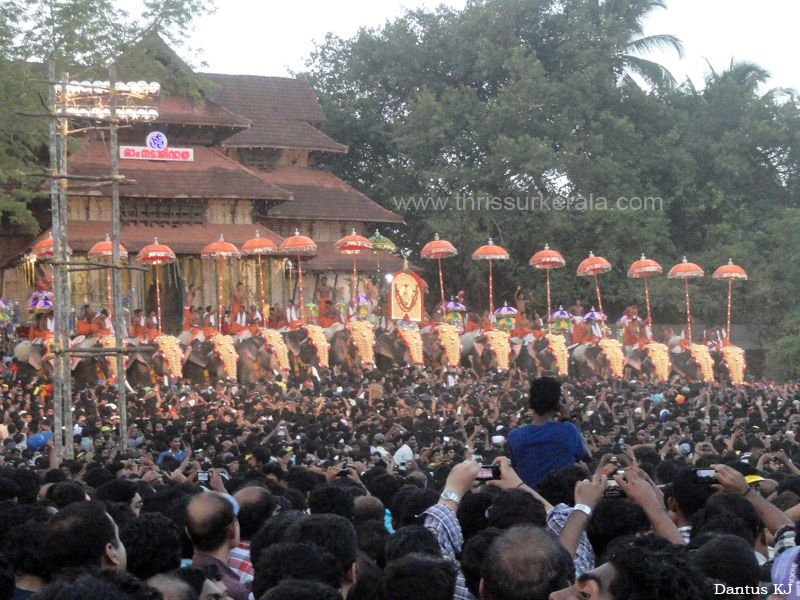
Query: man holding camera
[[551, 442]]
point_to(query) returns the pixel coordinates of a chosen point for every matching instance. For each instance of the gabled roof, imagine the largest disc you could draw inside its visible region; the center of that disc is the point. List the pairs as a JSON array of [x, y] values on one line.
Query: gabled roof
[[281, 111], [320, 195], [210, 175], [187, 111], [330, 259]]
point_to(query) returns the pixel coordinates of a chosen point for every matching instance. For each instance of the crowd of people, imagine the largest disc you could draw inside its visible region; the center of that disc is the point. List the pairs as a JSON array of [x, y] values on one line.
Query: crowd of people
[[408, 484]]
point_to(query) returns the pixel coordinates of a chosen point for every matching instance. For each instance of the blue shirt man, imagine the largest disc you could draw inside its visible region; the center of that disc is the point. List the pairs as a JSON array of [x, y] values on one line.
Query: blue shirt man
[[546, 445], [174, 451]]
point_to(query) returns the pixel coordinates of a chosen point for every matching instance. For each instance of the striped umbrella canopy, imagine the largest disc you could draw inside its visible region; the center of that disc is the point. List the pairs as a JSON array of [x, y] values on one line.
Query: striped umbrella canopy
[[437, 250], [594, 314], [642, 268], [561, 314], [43, 250], [454, 306], [506, 311]]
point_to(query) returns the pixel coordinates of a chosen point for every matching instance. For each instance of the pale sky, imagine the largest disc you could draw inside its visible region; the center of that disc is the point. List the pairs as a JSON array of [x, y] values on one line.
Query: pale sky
[[266, 37]]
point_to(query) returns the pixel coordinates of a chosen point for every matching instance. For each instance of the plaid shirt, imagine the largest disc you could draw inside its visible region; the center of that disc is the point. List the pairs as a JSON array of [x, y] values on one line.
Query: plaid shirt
[[239, 562], [584, 556], [442, 522]]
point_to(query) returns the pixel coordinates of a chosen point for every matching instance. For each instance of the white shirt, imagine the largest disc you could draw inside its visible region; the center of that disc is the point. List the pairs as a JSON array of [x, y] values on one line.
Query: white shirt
[[291, 314], [241, 319]]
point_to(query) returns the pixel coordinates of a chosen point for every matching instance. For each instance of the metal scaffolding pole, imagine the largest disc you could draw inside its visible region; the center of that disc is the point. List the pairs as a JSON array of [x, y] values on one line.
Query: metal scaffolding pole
[[57, 332], [116, 273], [64, 300]]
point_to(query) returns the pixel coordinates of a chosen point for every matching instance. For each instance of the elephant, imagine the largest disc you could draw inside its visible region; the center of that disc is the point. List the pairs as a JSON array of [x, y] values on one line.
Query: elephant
[[480, 356], [540, 354], [638, 361], [432, 348], [30, 360], [202, 362], [683, 365], [302, 350], [255, 359], [587, 360], [391, 350], [729, 365], [145, 365]]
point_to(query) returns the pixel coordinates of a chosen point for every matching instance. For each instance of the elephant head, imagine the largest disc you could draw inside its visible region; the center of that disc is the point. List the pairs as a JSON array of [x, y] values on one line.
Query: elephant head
[[204, 362], [32, 360], [256, 358]]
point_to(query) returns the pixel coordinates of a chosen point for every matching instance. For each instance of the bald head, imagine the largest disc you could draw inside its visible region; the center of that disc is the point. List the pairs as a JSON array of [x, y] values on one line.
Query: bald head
[[368, 508], [256, 505], [211, 522]]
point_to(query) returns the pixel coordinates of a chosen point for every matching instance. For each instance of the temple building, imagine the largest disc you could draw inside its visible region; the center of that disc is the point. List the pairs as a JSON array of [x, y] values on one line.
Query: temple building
[[244, 160]]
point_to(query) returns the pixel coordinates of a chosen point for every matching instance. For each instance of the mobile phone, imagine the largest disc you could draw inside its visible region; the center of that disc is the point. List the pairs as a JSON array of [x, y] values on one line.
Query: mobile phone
[[202, 476], [703, 476], [488, 472], [612, 487]]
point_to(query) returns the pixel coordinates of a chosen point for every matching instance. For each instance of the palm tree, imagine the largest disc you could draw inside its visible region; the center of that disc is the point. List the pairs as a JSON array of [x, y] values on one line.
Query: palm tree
[[634, 13]]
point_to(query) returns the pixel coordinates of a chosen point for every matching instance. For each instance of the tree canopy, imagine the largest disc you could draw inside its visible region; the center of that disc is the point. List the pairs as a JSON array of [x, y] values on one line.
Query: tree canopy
[[522, 98]]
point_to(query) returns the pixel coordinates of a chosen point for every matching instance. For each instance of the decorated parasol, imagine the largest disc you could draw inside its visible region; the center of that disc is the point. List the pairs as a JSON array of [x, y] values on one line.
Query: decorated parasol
[[40, 301], [380, 244], [505, 316], [454, 306], [547, 259], [157, 254], [730, 272], [684, 270], [219, 251], [490, 252], [594, 315], [105, 250], [353, 244], [302, 247], [43, 250], [593, 266], [561, 319], [259, 246], [5, 310], [641, 269], [439, 249]]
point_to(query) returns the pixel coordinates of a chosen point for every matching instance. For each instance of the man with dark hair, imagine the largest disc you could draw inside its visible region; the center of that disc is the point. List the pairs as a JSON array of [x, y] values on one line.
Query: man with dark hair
[[121, 490], [419, 576], [297, 589], [525, 563], [412, 539], [334, 534], [255, 507], [24, 549], [153, 545], [83, 535], [331, 499], [546, 445], [103, 585], [516, 507], [172, 588], [368, 508], [295, 561], [212, 527], [688, 498]]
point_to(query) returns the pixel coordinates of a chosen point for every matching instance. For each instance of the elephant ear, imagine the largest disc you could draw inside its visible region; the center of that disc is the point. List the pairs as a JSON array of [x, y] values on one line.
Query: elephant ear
[[199, 354], [479, 345], [516, 347], [427, 343], [384, 346], [35, 357]]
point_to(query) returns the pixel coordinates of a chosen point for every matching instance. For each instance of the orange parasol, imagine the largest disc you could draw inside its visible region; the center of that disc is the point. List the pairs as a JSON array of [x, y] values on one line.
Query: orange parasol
[[157, 254], [730, 272], [43, 250], [439, 249], [490, 252], [353, 244], [684, 270], [547, 259], [593, 266], [105, 249], [641, 269], [259, 246], [220, 251], [302, 247]]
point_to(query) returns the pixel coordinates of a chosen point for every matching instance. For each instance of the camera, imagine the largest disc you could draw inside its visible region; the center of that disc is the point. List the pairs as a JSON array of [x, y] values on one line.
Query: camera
[[703, 476], [202, 476], [488, 473], [612, 487]]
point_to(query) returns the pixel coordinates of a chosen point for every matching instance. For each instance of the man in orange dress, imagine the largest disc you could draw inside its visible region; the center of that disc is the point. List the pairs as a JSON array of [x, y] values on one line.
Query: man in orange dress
[[151, 326], [100, 324], [239, 323], [238, 298], [188, 306], [138, 328]]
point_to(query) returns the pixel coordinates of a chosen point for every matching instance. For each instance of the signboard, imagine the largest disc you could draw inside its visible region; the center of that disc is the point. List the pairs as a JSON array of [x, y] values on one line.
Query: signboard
[[156, 148]]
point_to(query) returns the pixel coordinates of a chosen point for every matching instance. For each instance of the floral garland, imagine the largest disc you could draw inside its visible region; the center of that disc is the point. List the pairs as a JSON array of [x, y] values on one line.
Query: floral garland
[[701, 356], [557, 346], [362, 334], [413, 341], [733, 358], [659, 355], [226, 352], [450, 342], [498, 342], [613, 351], [275, 342], [170, 348], [406, 307], [317, 338]]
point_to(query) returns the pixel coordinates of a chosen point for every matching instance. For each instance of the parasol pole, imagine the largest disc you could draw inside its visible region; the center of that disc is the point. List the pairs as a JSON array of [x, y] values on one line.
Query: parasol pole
[[600, 305], [219, 294], [158, 297], [688, 313], [491, 294], [300, 285], [441, 281], [355, 279], [730, 285], [261, 285], [549, 308], [647, 301], [108, 287]]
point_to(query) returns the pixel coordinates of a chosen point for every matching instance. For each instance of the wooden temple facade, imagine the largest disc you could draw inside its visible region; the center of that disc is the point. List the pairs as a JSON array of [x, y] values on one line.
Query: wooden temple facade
[[256, 154]]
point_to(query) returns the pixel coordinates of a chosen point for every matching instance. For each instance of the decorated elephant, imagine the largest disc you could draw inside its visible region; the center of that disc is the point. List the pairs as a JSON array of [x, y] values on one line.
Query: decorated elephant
[[210, 360], [729, 364], [489, 350], [260, 354], [399, 347], [547, 354], [605, 358], [695, 363], [352, 344], [441, 346], [163, 358], [308, 347], [32, 359]]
